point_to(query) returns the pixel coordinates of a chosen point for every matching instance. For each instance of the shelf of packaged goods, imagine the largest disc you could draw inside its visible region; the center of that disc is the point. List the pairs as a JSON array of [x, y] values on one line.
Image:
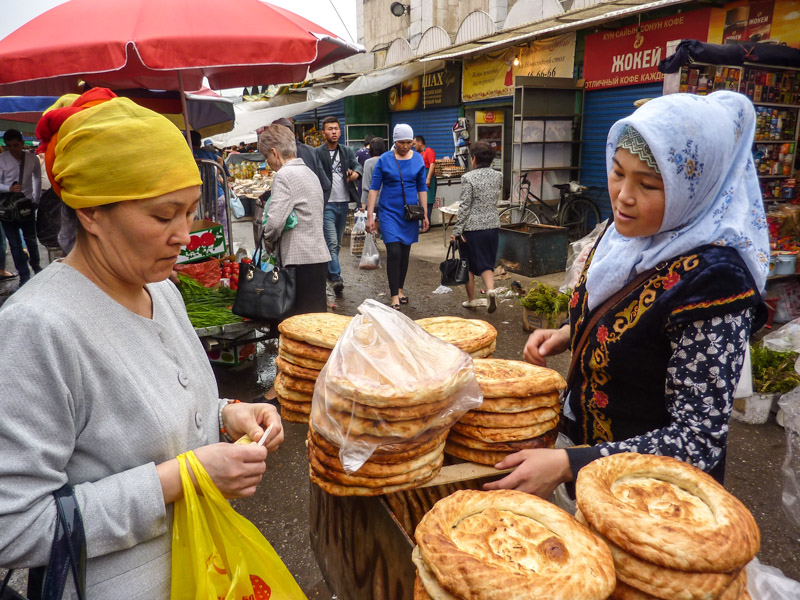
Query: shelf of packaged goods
[[775, 176], [774, 141], [774, 105]]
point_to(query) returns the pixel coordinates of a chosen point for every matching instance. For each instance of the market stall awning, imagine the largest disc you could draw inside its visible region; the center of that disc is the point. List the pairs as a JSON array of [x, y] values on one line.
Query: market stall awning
[[571, 20]]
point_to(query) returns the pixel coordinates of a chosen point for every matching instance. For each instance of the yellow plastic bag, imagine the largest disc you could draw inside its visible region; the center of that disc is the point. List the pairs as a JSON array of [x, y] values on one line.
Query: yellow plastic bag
[[217, 554]]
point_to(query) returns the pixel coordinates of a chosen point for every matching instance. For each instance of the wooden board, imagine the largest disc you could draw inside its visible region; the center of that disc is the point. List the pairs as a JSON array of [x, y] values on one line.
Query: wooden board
[[464, 472]]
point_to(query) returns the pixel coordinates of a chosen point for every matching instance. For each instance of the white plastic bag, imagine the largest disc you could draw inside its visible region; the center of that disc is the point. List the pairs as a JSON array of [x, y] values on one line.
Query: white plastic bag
[[236, 206], [382, 363], [358, 233], [370, 257], [790, 405], [784, 339], [578, 253], [769, 583]]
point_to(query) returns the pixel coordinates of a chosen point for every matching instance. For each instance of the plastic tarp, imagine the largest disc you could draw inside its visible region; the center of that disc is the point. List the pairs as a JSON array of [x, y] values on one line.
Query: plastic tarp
[[252, 115]]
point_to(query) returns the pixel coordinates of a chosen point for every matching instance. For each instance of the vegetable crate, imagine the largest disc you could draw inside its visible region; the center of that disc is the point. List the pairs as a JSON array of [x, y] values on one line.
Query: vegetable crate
[[532, 320], [233, 356], [206, 240]]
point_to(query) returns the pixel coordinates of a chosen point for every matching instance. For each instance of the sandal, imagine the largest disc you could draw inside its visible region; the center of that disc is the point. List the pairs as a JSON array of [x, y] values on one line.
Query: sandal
[[396, 306], [403, 299]]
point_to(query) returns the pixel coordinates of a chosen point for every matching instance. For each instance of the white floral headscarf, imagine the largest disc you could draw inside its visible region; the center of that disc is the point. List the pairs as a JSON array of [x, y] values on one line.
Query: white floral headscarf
[[703, 147]]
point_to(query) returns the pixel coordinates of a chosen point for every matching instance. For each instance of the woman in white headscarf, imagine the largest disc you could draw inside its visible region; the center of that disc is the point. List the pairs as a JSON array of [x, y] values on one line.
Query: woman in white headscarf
[[399, 175], [677, 282]]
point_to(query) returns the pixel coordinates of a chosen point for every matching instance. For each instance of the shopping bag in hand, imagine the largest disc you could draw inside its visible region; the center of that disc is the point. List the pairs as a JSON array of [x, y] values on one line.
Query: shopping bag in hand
[[217, 553], [455, 271], [358, 233], [370, 258]]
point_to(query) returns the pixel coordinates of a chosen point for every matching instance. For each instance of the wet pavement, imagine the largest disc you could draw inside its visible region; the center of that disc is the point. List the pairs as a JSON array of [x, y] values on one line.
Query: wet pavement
[[280, 507]]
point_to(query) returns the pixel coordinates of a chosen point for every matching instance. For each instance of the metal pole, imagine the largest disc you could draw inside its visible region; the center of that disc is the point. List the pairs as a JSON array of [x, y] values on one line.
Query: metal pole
[[184, 108]]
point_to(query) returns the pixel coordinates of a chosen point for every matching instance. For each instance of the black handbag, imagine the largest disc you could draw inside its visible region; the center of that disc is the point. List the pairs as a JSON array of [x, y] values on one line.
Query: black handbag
[[412, 212], [455, 271], [67, 554], [15, 206], [265, 296]]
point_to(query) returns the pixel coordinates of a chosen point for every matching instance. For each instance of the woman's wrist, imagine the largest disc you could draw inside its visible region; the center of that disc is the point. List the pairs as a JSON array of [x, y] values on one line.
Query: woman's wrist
[[169, 475], [224, 428]]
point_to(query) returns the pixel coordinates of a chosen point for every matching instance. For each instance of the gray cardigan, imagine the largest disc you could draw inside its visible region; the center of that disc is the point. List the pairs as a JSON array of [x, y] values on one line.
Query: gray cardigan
[[296, 188], [480, 191], [96, 396]]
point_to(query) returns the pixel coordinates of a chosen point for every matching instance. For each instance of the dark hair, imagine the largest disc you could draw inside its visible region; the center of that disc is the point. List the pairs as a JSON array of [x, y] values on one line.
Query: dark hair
[[377, 146], [327, 120], [196, 138], [484, 154], [420, 139], [368, 139], [11, 135]]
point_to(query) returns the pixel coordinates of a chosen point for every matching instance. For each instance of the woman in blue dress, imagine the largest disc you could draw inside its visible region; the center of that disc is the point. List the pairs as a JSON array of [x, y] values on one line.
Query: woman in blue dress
[[399, 174]]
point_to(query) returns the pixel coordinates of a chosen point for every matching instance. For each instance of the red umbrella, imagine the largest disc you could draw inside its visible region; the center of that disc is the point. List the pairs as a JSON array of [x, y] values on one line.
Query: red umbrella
[[163, 45]]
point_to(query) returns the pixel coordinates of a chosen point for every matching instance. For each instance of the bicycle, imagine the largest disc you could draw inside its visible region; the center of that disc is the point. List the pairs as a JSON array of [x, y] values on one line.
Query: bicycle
[[574, 211]]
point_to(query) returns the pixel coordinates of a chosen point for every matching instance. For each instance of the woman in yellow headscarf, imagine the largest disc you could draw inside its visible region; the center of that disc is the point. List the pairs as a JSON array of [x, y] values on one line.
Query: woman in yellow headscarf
[[105, 380]]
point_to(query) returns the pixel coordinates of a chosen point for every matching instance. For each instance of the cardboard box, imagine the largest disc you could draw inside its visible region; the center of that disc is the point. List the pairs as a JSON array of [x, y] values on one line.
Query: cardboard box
[[207, 240], [532, 320], [232, 356]]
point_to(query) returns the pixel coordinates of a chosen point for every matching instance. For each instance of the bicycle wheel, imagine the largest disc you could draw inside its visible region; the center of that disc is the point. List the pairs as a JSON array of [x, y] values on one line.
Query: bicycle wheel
[[579, 216], [517, 214]]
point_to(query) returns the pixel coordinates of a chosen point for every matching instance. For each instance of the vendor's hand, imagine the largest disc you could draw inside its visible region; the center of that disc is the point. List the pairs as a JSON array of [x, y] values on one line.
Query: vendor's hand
[[425, 224], [15, 188], [371, 226], [236, 469], [538, 471], [458, 238], [253, 419], [545, 342]]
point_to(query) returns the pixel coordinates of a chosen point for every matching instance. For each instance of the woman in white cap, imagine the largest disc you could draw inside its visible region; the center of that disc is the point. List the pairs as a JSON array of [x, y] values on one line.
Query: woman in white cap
[[399, 175]]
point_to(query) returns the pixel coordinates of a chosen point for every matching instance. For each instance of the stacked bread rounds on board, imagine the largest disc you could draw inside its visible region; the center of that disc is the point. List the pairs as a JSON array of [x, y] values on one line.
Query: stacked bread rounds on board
[[473, 336], [503, 544], [520, 410], [673, 531], [384, 403], [303, 348]]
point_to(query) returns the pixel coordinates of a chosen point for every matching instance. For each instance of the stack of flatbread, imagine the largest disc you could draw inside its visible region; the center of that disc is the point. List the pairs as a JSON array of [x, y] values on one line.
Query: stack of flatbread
[[520, 410], [390, 393], [673, 531], [473, 336], [507, 544], [303, 348]]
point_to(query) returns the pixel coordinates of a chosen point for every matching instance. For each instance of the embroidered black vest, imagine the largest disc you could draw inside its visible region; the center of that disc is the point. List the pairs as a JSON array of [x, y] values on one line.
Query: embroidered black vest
[[618, 391]]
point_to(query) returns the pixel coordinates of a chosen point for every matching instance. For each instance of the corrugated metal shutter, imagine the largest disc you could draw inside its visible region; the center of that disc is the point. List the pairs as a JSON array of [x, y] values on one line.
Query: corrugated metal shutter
[[334, 109], [435, 125], [602, 108]]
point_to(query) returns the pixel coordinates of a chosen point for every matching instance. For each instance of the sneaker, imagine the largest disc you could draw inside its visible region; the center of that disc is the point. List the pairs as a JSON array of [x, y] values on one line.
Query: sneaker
[[338, 286], [492, 302], [474, 303]]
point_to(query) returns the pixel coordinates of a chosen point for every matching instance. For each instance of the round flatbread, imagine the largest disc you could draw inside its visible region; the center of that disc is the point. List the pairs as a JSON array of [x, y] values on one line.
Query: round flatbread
[[317, 329], [358, 480], [429, 588], [299, 360], [284, 366], [661, 582], [298, 407], [509, 420], [295, 383], [337, 489], [501, 378], [297, 348], [290, 394], [546, 440], [468, 335], [667, 512], [293, 417], [419, 590], [337, 403], [333, 433], [404, 430], [516, 405], [481, 457], [508, 544], [389, 454], [505, 434], [485, 352]]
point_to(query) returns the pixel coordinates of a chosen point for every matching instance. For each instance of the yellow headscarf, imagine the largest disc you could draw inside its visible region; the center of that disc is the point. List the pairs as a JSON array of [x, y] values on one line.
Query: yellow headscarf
[[100, 149]]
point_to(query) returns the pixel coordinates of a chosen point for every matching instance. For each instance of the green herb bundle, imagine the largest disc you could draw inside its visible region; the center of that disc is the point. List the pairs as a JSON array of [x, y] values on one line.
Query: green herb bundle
[[773, 372], [546, 300], [207, 307]]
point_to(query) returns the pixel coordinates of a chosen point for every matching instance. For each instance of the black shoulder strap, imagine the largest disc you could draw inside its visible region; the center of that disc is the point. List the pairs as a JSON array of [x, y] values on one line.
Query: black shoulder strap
[[400, 172], [21, 168], [69, 548]]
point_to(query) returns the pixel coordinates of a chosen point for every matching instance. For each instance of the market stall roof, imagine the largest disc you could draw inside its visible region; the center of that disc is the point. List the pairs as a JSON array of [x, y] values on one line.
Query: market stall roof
[[578, 18]]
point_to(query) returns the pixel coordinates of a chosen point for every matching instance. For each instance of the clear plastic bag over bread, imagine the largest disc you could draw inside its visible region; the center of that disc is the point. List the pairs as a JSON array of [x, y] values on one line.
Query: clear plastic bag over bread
[[790, 405], [370, 257], [769, 583], [389, 382]]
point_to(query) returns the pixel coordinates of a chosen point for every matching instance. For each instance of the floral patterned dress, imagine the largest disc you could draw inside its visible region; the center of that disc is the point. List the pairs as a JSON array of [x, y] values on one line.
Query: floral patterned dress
[[658, 372]]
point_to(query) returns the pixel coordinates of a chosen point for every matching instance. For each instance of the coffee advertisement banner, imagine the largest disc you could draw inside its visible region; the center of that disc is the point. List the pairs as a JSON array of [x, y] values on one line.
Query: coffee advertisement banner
[[431, 90], [775, 22]]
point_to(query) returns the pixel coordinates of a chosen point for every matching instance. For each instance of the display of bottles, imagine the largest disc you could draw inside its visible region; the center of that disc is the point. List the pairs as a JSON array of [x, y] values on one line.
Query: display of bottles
[[775, 124], [704, 80], [782, 87], [774, 159], [785, 189]]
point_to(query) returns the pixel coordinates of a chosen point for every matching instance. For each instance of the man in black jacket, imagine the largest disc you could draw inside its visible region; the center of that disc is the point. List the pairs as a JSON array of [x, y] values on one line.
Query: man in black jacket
[[340, 164]]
